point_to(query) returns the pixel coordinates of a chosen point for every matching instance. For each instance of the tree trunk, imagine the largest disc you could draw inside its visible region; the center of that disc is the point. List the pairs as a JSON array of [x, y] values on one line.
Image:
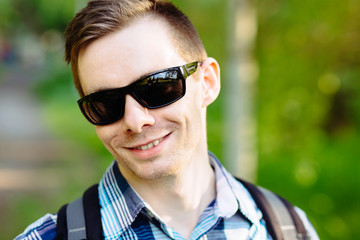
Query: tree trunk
[[240, 134]]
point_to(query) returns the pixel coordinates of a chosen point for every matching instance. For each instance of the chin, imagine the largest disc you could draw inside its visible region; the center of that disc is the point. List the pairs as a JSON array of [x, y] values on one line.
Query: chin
[[151, 169], [155, 173]]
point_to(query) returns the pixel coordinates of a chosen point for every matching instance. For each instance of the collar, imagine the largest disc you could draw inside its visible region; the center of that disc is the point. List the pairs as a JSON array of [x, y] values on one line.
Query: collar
[[120, 204], [232, 196]]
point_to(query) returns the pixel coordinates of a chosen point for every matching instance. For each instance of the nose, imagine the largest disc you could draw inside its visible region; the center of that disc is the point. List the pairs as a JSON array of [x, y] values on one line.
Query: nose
[[136, 117]]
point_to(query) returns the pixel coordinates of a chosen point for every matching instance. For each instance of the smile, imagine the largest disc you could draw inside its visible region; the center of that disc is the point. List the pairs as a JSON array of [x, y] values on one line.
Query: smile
[[150, 145]]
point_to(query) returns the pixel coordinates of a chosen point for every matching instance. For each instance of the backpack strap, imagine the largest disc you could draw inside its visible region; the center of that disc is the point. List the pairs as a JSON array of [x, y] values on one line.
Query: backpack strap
[[283, 215], [81, 219], [61, 225], [299, 225], [281, 219], [94, 230], [76, 220]]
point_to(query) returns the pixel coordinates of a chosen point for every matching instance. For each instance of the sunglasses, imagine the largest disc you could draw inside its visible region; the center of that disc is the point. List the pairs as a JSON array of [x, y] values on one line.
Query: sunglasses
[[155, 90]]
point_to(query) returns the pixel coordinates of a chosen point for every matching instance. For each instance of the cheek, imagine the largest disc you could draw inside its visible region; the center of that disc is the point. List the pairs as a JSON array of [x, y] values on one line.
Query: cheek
[[191, 111], [193, 101], [104, 133]]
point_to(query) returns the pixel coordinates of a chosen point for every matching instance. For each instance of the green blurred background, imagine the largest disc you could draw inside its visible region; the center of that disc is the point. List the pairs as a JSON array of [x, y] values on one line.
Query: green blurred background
[[307, 102]]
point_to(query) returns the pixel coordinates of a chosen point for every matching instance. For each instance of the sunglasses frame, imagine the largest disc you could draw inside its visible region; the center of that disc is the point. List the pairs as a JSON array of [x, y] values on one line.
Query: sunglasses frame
[[185, 71]]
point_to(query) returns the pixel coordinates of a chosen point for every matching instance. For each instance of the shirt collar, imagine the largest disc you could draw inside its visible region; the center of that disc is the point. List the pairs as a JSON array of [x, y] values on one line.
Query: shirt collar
[[232, 196]]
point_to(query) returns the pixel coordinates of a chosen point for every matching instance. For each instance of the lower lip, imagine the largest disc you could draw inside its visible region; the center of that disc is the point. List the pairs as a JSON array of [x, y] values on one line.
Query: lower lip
[[151, 152]]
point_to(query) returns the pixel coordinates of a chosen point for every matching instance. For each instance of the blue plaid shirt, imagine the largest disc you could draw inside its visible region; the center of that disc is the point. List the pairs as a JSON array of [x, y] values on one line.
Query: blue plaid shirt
[[232, 215]]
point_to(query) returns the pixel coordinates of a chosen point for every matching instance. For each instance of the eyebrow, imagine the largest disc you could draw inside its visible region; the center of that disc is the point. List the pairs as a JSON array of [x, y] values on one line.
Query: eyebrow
[[100, 89]]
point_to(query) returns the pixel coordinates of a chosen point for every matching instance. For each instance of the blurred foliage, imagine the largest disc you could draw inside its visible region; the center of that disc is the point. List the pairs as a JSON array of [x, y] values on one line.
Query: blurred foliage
[[307, 97], [36, 15]]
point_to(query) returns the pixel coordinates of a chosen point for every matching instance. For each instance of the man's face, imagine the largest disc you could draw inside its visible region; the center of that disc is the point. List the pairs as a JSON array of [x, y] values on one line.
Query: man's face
[[147, 144]]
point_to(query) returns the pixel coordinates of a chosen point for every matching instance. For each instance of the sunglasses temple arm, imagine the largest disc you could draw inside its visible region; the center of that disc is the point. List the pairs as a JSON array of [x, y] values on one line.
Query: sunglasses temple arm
[[189, 69]]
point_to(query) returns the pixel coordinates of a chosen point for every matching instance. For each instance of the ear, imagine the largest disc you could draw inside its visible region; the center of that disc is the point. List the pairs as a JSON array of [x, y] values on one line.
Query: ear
[[210, 81]]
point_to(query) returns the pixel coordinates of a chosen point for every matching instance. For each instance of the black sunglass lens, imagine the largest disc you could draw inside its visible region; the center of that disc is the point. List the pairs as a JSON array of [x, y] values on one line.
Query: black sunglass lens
[[160, 89], [103, 108]]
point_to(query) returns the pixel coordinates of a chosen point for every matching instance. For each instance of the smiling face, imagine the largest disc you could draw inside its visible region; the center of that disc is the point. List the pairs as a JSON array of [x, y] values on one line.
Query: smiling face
[[147, 144]]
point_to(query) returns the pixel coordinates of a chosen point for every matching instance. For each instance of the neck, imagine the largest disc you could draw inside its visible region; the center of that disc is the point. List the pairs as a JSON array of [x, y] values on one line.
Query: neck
[[181, 198]]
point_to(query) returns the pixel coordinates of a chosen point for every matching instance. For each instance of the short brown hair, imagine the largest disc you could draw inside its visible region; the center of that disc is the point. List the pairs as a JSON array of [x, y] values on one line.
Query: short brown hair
[[102, 17]]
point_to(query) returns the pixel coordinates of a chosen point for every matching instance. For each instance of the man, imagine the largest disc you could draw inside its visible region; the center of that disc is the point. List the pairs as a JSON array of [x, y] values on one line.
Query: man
[[145, 82]]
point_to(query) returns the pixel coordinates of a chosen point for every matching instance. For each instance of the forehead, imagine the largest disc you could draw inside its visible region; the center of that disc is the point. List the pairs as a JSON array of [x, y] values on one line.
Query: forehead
[[122, 57]]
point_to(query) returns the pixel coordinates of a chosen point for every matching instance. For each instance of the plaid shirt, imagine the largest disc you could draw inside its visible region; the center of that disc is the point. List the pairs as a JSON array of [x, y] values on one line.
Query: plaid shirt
[[232, 215]]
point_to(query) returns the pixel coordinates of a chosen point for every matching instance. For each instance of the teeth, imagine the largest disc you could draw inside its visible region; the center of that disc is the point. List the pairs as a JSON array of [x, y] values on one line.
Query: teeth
[[150, 145]]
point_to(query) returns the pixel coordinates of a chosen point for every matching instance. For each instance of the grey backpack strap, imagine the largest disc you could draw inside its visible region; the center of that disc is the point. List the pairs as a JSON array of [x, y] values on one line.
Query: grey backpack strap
[[76, 220], [282, 221], [282, 214]]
